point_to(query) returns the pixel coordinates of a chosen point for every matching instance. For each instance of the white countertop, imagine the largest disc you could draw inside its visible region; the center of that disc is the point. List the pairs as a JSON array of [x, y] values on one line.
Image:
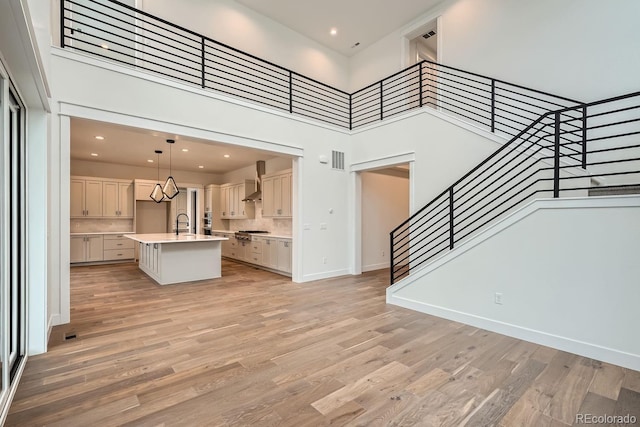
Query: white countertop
[[102, 232], [172, 238], [275, 236]]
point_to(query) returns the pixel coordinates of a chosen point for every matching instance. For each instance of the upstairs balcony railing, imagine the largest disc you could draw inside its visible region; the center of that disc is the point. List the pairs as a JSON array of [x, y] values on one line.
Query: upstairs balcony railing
[[574, 151], [115, 31]]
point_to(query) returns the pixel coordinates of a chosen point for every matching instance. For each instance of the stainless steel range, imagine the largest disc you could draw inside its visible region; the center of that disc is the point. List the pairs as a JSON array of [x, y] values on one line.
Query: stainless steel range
[[246, 234]]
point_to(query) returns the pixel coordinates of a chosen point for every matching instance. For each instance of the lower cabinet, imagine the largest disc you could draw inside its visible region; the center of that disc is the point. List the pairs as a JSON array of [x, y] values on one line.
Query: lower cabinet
[[87, 248], [117, 247], [284, 256], [100, 247], [149, 254], [268, 252]]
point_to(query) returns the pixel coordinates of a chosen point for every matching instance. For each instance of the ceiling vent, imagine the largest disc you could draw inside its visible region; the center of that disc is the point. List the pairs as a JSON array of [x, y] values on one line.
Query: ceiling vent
[[429, 34]]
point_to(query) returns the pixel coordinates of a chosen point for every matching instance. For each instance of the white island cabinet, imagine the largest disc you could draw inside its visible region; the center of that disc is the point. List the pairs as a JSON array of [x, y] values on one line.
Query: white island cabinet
[[168, 258]]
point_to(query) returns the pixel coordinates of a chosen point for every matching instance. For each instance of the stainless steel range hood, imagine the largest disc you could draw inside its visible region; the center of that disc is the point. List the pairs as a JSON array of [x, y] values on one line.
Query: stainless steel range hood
[[257, 195]]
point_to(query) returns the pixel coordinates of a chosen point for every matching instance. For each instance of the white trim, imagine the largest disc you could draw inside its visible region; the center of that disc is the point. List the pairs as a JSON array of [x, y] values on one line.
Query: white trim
[[86, 112], [165, 81], [383, 162], [64, 197], [324, 275], [297, 254], [593, 351], [355, 185], [373, 267]]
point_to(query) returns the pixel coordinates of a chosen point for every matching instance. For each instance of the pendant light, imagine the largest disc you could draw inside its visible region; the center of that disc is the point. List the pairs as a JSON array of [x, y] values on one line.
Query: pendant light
[[157, 195], [170, 188]]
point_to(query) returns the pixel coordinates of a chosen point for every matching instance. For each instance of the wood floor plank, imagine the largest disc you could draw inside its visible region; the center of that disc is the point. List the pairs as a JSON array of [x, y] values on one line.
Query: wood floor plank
[[253, 348]]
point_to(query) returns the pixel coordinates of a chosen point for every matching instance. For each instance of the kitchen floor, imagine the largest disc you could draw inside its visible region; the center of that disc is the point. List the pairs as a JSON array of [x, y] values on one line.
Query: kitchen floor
[[253, 348]]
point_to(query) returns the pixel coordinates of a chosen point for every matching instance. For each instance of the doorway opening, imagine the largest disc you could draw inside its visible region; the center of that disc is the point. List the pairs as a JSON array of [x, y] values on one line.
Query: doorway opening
[[385, 203]]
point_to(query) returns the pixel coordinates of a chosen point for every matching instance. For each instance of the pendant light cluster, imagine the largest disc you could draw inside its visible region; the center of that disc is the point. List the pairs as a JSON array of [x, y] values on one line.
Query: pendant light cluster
[[170, 188]]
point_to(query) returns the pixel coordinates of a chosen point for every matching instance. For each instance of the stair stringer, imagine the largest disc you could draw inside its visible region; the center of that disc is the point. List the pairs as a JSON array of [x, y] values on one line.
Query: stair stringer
[[570, 280]]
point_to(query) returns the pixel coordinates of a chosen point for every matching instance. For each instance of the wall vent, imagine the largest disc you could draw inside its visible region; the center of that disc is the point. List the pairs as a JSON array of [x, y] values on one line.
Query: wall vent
[[337, 160]]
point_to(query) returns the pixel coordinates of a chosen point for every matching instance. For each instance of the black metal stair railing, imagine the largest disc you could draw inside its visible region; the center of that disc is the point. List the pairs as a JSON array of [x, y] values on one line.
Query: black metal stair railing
[[563, 153], [115, 31]]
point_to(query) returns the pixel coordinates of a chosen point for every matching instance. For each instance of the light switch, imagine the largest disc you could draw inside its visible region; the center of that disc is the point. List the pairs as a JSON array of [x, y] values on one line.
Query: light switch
[[323, 226], [307, 226]]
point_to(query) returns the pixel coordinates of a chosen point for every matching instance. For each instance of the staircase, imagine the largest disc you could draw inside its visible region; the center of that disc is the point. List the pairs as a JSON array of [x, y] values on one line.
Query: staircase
[[585, 150]]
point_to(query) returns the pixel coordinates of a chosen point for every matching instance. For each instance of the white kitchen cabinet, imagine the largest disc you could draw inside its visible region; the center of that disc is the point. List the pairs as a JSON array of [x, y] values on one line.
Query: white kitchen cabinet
[[117, 247], [231, 204], [85, 198], [143, 189], [117, 199], [86, 248], [254, 255], [208, 198], [276, 195], [284, 256], [270, 253]]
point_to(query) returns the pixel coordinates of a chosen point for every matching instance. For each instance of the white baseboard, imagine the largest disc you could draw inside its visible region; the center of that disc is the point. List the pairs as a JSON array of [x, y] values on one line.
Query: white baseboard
[[325, 275], [372, 267], [609, 355]]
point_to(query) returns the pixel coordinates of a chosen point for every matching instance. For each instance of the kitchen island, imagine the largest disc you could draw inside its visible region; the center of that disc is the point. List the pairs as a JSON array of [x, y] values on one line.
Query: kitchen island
[[170, 258]]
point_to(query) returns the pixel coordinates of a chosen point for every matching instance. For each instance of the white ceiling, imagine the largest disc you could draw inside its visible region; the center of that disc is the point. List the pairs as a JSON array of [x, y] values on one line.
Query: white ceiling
[[133, 146], [364, 21]]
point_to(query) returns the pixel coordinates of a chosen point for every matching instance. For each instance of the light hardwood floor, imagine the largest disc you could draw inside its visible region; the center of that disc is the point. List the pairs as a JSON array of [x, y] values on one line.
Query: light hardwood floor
[[253, 348]]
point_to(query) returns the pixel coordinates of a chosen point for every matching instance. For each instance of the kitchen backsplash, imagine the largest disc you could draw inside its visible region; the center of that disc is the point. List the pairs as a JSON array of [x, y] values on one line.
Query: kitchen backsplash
[[95, 225], [282, 226]]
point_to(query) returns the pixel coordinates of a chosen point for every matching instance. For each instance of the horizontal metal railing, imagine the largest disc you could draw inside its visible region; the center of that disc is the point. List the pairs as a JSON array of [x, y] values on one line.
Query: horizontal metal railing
[[492, 104], [568, 152], [118, 32], [121, 33]]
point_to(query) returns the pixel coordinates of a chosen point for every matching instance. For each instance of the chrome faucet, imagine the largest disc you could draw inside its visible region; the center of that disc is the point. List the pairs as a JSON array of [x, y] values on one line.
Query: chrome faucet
[[178, 223]]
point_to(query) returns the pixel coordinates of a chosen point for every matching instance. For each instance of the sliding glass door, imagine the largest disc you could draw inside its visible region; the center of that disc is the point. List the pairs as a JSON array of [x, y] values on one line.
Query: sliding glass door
[[12, 236]]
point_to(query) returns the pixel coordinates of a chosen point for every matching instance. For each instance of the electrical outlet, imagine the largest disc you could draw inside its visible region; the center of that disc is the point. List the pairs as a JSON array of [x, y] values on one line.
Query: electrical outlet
[[497, 298], [382, 253], [324, 259]]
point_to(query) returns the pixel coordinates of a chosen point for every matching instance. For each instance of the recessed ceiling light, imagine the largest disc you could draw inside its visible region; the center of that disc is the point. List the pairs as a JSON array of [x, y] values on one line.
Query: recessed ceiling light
[[94, 154], [99, 137], [104, 46], [150, 161], [226, 156], [333, 31], [201, 167], [185, 149]]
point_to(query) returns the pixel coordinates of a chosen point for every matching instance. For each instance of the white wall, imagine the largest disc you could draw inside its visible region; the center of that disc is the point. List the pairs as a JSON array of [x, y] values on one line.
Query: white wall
[[120, 171], [238, 26], [581, 49], [385, 204], [444, 149], [560, 285]]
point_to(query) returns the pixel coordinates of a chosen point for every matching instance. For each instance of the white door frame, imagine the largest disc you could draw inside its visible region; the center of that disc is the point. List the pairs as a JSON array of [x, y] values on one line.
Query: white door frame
[[355, 191]]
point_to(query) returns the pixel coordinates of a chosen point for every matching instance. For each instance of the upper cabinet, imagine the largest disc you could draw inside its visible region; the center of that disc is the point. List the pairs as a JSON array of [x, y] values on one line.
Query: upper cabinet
[[101, 197], [231, 204], [86, 198], [276, 195], [117, 199], [208, 198]]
